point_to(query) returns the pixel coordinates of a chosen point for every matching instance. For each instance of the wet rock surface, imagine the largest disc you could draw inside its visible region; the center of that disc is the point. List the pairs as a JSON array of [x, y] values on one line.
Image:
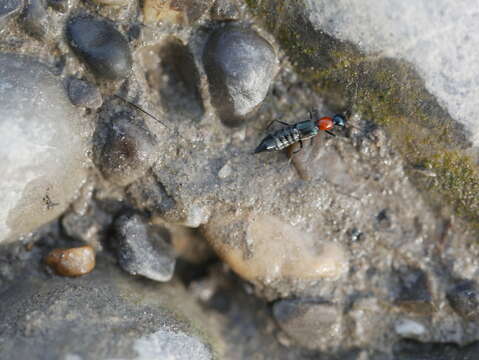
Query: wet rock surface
[[44, 144], [358, 246], [102, 47], [49, 315], [240, 65], [144, 249]]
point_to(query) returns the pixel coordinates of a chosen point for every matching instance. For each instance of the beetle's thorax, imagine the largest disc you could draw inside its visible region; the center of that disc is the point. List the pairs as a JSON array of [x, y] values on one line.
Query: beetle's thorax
[[307, 129], [325, 123]]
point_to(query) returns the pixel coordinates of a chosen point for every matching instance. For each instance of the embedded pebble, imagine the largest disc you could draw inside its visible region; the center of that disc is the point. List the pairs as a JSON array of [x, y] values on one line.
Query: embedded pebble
[[409, 287], [464, 299], [407, 328], [8, 8], [72, 262], [277, 250], [144, 249], [44, 146], [123, 149], [83, 93], [102, 47], [240, 66], [225, 171], [35, 19], [312, 324]]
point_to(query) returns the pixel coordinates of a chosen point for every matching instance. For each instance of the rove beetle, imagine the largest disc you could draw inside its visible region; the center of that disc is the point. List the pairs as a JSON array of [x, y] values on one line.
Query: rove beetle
[[303, 130]]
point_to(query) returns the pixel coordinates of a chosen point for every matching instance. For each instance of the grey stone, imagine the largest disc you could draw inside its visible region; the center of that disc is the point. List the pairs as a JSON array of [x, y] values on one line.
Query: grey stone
[[312, 324], [83, 93], [240, 66], [143, 249], [123, 149], [44, 145], [439, 39], [103, 315], [102, 47]]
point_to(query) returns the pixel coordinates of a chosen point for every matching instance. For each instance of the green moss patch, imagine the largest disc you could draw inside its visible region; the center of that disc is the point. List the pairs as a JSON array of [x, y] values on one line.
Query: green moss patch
[[387, 91]]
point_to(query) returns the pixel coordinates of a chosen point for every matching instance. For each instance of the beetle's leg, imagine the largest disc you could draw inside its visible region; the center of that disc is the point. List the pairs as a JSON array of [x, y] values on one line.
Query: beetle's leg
[[312, 112], [300, 147], [330, 133]]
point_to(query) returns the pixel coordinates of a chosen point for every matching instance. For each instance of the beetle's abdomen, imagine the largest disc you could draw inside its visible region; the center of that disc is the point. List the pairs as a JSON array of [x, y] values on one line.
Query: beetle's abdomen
[[285, 137], [279, 140]]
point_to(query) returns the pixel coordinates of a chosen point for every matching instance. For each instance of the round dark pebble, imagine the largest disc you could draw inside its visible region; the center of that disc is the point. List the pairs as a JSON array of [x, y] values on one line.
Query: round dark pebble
[[83, 93], [103, 48], [123, 149], [240, 65]]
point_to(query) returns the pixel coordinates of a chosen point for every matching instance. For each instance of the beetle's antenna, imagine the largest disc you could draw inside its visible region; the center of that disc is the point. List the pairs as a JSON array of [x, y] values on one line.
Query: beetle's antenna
[[149, 114]]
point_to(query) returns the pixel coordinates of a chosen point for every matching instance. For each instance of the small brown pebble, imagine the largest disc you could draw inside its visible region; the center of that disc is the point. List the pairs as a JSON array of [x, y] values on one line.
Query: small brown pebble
[[72, 262]]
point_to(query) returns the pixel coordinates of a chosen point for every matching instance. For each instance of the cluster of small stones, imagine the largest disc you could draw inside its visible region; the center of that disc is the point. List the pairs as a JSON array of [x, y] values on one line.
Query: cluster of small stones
[[335, 243]]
